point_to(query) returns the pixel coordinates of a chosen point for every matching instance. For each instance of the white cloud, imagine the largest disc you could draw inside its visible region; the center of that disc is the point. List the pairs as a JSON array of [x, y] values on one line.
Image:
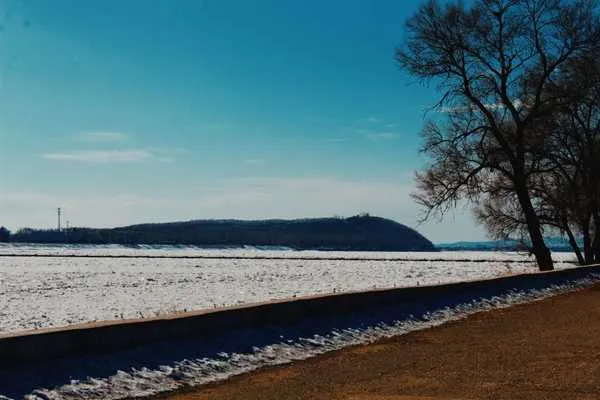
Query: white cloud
[[337, 140], [244, 198], [375, 133], [307, 196], [255, 161], [102, 137], [101, 156], [216, 126], [167, 150], [117, 156], [518, 104], [374, 120], [383, 136], [452, 110]]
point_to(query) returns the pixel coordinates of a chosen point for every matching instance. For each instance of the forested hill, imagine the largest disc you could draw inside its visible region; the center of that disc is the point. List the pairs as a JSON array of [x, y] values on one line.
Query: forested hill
[[354, 233]]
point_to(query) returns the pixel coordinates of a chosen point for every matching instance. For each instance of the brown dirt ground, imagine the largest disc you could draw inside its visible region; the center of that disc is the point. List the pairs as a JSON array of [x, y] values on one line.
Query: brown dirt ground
[[543, 350]]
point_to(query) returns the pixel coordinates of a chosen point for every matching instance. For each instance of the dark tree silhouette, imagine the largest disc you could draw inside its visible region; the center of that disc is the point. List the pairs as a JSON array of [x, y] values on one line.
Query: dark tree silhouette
[[576, 150], [4, 234], [361, 232], [566, 191], [494, 63]]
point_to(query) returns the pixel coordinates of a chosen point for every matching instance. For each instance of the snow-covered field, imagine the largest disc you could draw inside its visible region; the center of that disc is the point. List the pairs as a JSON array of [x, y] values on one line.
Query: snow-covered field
[[38, 292], [162, 251], [42, 286], [153, 369]]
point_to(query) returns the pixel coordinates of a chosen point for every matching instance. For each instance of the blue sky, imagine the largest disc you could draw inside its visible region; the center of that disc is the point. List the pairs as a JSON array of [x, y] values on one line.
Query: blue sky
[[147, 110]]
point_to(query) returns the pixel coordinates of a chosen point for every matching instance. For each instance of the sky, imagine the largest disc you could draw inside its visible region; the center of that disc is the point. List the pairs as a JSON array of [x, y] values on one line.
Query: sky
[[131, 111]]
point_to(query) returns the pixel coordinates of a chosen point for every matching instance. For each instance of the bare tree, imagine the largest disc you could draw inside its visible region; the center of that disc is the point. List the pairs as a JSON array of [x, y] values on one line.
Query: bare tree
[[566, 190], [575, 133], [502, 215], [494, 63]]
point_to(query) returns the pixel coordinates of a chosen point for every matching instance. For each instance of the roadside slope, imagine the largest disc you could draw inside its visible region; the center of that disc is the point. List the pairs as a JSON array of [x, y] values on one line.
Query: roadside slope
[[542, 350]]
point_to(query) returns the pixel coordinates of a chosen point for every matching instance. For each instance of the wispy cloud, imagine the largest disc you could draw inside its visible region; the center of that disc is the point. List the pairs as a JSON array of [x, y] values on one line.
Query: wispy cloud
[[116, 156], [452, 110], [167, 151], [361, 131], [374, 120], [113, 151], [215, 126], [101, 156], [518, 104], [337, 140], [383, 136], [248, 198], [255, 161], [102, 137]]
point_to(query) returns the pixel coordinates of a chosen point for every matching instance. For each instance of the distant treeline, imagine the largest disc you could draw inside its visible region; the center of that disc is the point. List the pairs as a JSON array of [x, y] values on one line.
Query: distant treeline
[[4, 234], [355, 233], [554, 243]]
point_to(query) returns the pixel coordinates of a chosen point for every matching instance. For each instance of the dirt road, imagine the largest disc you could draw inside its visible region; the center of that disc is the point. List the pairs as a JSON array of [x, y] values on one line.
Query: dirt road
[[543, 350]]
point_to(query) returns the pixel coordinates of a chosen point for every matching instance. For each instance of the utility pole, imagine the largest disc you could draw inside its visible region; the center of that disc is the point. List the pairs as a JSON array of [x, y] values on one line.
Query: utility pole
[[59, 219]]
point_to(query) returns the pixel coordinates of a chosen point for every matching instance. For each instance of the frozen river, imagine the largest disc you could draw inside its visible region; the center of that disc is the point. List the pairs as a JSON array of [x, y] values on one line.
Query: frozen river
[[44, 286]]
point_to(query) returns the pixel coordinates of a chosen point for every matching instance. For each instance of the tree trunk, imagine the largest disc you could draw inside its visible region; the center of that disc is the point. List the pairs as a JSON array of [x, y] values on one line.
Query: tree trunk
[[574, 245], [539, 249], [596, 241], [587, 242]]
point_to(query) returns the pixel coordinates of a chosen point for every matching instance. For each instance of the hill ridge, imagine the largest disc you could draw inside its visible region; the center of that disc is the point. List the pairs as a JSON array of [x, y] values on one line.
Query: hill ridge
[[361, 232]]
